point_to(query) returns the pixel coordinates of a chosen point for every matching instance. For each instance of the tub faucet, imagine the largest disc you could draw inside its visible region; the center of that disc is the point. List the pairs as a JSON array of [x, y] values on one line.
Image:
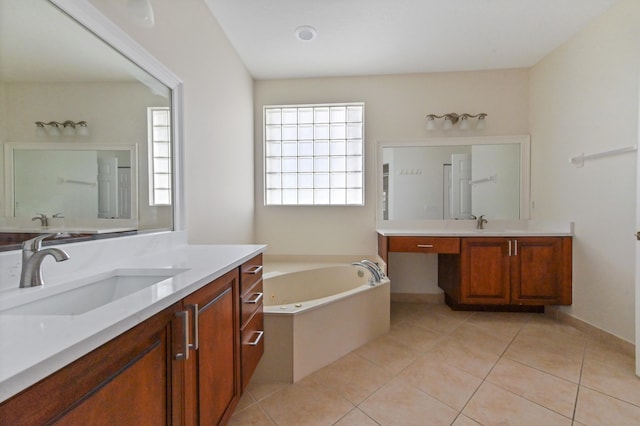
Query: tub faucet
[[480, 222], [375, 275], [32, 256], [374, 265]]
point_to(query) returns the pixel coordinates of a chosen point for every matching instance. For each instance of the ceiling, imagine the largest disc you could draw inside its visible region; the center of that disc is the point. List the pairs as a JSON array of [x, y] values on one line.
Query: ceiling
[[369, 37]]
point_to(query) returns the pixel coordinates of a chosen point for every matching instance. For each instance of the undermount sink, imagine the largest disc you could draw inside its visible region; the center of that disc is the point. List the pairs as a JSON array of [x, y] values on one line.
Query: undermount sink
[[94, 292]]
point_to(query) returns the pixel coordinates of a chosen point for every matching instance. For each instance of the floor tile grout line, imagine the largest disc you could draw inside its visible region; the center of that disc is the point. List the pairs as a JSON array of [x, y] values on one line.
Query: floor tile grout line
[[575, 404]]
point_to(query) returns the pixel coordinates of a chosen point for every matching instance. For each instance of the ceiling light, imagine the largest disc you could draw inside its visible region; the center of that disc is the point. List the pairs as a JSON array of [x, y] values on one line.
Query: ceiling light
[[141, 13], [306, 33]]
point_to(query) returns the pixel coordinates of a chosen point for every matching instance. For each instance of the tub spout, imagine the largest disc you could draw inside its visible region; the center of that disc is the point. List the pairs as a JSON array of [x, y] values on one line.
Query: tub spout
[[375, 276], [374, 265]]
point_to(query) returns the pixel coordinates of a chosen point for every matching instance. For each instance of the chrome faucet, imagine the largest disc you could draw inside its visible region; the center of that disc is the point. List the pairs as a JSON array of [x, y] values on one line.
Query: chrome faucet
[[480, 222], [32, 256], [44, 220], [374, 265], [375, 275]]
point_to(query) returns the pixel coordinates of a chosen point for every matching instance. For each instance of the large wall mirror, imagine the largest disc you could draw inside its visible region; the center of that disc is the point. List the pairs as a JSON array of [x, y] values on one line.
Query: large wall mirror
[[453, 178], [88, 134]]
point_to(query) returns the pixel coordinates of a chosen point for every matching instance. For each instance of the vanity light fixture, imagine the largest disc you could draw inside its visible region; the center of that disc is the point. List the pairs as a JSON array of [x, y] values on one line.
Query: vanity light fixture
[[69, 128], [452, 118]]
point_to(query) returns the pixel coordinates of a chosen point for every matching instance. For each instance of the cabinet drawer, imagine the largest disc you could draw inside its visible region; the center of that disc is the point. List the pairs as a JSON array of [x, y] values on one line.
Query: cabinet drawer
[[252, 337], [425, 244], [250, 302], [250, 273]]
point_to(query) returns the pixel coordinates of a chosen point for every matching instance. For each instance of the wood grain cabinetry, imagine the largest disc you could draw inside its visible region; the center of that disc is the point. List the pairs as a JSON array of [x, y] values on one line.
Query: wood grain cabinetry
[[133, 379], [495, 272], [184, 365], [252, 322], [212, 369]]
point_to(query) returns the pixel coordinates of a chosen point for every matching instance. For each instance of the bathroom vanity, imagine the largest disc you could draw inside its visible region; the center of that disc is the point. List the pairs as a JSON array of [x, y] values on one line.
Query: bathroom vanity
[[195, 341], [519, 269]]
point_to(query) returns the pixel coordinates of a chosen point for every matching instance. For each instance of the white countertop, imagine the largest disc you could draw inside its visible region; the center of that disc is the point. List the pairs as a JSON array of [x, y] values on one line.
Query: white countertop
[[32, 347], [467, 228]]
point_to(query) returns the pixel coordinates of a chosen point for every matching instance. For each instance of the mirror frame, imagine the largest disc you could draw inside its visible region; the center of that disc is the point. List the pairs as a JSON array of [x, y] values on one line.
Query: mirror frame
[[95, 22], [9, 157], [525, 163]]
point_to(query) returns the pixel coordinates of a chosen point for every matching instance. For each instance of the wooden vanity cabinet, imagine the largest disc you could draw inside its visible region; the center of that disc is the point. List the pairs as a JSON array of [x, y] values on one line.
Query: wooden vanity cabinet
[[252, 317], [494, 272], [212, 370], [533, 271], [133, 379], [169, 369]]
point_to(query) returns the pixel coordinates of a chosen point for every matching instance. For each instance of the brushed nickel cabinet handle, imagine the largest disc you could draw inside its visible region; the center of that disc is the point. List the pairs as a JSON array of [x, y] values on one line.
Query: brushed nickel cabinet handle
[[254, 270], [425, 245], [257, 339], [185, 335], [509, 247], [256, 298], [515, 244], [196, 330]]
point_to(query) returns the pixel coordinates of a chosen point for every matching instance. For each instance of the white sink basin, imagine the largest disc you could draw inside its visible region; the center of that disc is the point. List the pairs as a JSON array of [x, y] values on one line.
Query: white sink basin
[[94, 292]]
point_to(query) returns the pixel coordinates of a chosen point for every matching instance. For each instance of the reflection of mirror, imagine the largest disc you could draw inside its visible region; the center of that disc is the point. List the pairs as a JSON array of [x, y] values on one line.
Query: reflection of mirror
[[454, 178], [54, 69], [79, 182]]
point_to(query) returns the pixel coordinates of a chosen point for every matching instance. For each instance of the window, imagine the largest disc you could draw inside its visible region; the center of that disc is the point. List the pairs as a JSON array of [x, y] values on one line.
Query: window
[[313, 154], [159, 125]]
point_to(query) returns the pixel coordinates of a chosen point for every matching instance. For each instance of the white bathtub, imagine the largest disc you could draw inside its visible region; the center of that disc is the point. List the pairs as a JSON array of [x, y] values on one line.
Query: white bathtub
[[315, 316]]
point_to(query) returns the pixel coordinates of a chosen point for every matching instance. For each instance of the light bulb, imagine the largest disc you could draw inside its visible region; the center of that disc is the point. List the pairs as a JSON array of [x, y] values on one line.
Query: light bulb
[[431, 123], [481, 123], [464, 123], [82, 128], [447, 125]]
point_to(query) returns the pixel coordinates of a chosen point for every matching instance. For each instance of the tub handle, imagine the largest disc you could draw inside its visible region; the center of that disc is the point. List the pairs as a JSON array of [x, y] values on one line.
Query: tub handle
[[257, 339], [425, 245], [256, 298], [255, 270]]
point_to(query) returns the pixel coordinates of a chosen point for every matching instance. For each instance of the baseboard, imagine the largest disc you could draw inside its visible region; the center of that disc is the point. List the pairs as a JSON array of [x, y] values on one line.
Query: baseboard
[[591, 330], [433, 299]]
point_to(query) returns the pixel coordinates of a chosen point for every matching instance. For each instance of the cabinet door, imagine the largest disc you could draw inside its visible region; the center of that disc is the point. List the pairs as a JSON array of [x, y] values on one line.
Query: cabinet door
[[131, 380], [538, 272], [213, 368], [485, 271]]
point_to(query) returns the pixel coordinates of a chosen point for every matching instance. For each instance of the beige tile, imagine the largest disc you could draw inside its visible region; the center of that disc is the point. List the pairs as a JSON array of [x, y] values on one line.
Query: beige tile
[[399, 404], [463, 420], [549, 391], [403, 311], [352, 377], [388, 353], [564, 361], [492, 405], [260, 391], [416, 338], [305, 403], [356, 417], [252, 416], [446, 383], [547, 331], [246, 401], [465, 356], [440, 319], [500, 324], [478, 337], [594, 408], [600, 351], [612, 377]]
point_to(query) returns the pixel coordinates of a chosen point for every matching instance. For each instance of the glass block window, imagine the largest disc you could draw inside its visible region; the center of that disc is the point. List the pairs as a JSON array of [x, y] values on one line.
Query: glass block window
[[159, 131], [314, 154]]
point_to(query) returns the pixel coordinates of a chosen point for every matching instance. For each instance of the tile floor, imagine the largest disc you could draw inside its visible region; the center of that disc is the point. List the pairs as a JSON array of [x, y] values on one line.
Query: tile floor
[[440, 367]]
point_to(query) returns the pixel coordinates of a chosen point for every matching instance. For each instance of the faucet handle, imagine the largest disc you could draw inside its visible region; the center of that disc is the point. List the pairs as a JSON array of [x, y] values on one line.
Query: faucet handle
[[35, 244]]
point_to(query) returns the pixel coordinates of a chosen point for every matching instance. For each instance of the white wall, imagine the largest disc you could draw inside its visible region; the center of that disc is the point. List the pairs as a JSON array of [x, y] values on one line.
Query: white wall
[[395, 108], [218, 127], [584, 98]]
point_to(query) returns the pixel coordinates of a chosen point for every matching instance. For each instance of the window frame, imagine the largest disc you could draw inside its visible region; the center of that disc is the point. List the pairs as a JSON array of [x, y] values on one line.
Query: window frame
[[314, 156]]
